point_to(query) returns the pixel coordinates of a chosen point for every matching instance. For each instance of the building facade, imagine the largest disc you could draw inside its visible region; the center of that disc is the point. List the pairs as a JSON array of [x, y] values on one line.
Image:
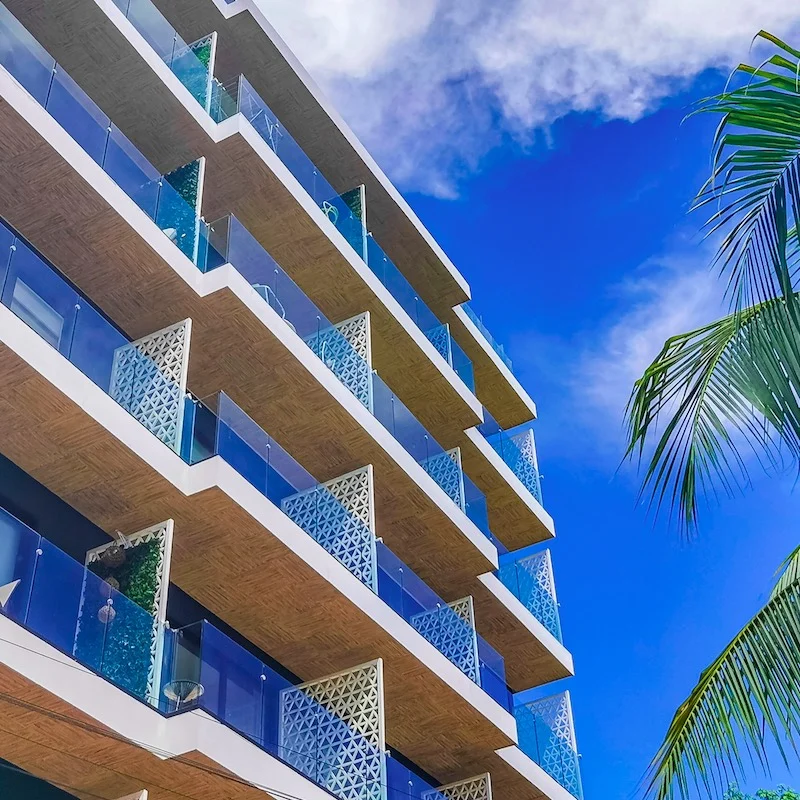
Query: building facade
[[270, 512]]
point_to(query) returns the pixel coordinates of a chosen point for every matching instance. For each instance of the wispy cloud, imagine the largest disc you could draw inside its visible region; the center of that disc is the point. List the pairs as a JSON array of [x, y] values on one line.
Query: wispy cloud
[[432, 85], [593, 371], [665, 296]]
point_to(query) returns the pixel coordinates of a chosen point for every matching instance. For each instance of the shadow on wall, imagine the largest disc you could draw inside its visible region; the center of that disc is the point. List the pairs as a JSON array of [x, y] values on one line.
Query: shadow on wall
[[15, 785]]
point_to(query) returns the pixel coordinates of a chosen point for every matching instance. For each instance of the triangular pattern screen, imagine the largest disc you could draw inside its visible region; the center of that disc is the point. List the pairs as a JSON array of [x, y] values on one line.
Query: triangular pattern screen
[[148, 379], [445, 468], [333, 730], [340, 515], [546, 734], [451, 629], [346, 350]]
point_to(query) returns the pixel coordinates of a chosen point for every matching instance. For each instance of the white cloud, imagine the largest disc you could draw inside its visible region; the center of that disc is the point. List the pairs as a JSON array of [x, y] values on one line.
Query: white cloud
[[431, 85], [592, 373], [666, 296]]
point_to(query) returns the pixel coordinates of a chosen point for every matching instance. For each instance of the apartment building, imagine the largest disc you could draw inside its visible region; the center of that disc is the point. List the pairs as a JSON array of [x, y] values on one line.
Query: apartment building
[[270, 509]]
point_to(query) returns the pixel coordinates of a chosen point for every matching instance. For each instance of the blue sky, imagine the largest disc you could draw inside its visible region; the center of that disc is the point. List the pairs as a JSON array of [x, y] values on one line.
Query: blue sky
[[567, 250]]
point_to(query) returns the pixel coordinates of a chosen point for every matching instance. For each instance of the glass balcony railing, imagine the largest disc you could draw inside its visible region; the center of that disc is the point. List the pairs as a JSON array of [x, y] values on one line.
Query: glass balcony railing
[[448, 627], [530, 580], [242, 692], [518, 450], [80, 117], [225, 241], [190, 64], [495, 345], [546, 735], [42, 298], [239, 97], [177, 671], [403, 783]]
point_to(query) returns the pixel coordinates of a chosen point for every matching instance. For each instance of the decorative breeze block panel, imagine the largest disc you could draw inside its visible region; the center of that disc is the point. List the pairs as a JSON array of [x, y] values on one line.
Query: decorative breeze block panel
[[531, 580], [440, 338], [445, 468], [451, 630], [148, 379], [477, 788], [333, 729], [340, 515], [547, 735], [346, 349], [527, 466]]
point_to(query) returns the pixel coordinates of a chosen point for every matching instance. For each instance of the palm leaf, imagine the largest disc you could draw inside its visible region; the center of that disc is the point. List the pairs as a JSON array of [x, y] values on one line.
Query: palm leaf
[[730, 382], [754, 189], [744, 699]]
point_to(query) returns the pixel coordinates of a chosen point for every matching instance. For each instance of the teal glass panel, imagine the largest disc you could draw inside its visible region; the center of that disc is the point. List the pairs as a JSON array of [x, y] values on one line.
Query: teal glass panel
[[78, 115], [24, 57]]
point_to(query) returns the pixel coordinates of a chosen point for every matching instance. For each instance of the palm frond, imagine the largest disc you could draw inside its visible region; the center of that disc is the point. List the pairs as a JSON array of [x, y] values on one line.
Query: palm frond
[[788, 573], [754, 189], [730, 382], [744, 699]]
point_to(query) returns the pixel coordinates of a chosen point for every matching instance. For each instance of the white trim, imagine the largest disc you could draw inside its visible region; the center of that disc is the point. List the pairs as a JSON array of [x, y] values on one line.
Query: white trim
[[65, 679]]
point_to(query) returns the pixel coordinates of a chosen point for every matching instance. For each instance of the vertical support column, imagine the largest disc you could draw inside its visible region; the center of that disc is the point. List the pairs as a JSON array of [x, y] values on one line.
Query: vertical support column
[[138, 567], [334, 730], [451, 630], [340, 515], [346, 349], [148, 379], [445, 468]]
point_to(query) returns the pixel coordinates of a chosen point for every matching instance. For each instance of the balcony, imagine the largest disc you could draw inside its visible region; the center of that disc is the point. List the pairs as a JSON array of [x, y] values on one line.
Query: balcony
[[248, 44], [505, 469], [530, 580], [97, 244], [547, 736], [518, 451], [222, 523], [495, 345], [496, 385], [244, 175], [518, 611]]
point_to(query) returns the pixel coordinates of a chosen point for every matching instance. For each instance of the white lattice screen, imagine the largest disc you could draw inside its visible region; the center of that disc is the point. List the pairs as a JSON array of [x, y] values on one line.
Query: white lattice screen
[[440, 338], [547, 734], [162, 535], [527, 468], [334, 729], [477, 788], [445, 468], [346, 349], [451, 629], [136, 796], [148, 379], [340, 515]]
